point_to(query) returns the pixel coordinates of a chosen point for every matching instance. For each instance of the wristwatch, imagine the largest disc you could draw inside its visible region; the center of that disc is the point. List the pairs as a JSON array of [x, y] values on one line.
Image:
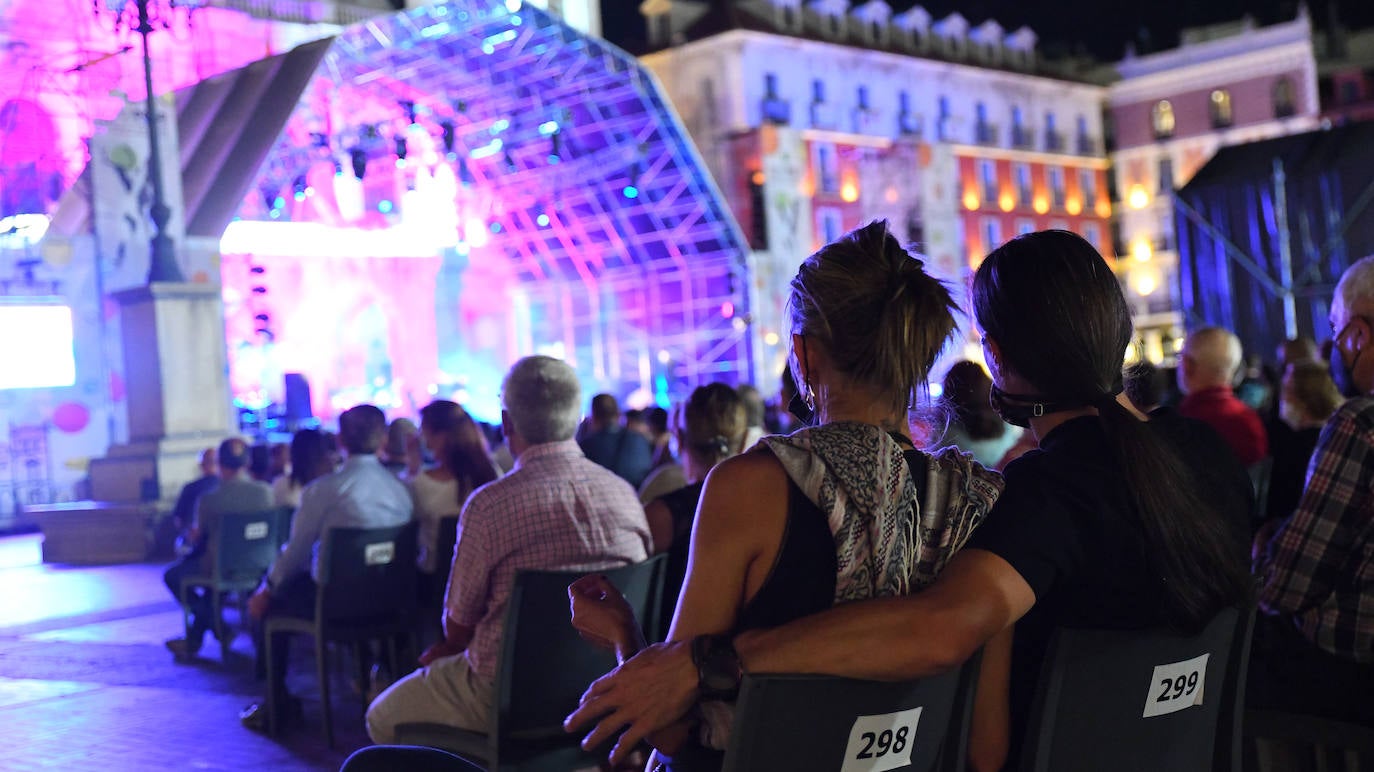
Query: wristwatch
[[718, 667]]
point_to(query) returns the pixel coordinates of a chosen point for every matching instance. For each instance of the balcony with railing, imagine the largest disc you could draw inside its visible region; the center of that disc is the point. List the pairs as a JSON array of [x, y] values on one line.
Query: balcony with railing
[[985, 133], [1054, 142], [824, 116], [1022, 138], [910, 125], [1086, 145]]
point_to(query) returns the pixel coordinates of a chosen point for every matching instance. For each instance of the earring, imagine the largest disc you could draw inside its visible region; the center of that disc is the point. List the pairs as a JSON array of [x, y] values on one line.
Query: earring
[[809, 397]]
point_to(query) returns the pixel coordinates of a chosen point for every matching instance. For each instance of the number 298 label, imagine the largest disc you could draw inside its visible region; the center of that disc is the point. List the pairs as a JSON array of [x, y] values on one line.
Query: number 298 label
[[881, 742], [1176, 686]]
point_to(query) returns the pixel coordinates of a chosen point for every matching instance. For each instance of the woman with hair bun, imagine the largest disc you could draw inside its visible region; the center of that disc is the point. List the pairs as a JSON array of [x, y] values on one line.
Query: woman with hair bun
[[710, 429], [844, 509]]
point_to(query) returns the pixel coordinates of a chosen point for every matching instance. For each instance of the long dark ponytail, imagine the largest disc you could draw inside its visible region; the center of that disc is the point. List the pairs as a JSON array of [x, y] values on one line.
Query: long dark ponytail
[[1057, 313]]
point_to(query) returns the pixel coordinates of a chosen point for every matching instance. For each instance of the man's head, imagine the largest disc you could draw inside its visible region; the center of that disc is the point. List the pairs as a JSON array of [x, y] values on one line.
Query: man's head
[[605, 412], [362, 430], [233, 457], [1210, 358], [1352, 329], [208, 465], [541, 400]]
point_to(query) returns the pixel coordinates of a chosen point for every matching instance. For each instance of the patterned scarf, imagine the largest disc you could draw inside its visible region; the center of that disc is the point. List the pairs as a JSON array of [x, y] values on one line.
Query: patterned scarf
[[858, 476]]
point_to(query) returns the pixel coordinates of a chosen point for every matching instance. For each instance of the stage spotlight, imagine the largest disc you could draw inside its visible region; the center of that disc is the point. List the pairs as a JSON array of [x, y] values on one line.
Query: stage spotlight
[[358, 157], [542, 220], [401, 149], [299, 186], [631, 192], [409, 106], [384, 206]]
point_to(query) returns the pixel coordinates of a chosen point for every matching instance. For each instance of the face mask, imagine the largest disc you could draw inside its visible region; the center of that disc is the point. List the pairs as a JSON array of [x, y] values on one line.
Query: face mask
[[797, 407], [1341, 374], [1019, 409]]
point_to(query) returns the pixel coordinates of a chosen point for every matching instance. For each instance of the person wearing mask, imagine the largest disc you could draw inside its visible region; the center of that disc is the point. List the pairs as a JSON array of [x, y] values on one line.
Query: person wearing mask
[[1314, 643], [1111, 523], [843, 510]]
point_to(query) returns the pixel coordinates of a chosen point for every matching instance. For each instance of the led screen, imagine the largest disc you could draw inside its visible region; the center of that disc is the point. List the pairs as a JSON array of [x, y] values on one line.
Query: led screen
[[36, 346]]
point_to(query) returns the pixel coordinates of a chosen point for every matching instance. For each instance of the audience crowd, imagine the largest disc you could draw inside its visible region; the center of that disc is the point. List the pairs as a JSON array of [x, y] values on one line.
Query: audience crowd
[[850, 525]]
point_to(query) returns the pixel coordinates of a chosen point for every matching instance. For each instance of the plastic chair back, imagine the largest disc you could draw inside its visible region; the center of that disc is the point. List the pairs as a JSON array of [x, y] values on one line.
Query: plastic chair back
[[545, 666], [824, 722], [367, 574], [245, 546], [1140, 699]]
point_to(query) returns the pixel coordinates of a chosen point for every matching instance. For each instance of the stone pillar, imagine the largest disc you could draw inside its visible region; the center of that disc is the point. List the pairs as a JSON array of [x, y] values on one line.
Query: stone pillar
[[176, 374]]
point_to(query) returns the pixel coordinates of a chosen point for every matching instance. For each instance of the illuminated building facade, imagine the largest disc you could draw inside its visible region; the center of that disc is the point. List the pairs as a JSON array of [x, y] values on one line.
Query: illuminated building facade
[[1170, 112], [817, 117]]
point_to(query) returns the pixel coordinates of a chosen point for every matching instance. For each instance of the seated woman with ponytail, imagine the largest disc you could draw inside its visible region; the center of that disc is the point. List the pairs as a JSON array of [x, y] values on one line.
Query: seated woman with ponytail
[[1112, 523]]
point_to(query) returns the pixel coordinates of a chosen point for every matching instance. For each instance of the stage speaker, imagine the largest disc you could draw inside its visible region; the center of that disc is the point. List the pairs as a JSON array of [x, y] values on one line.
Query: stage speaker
[[297, 400]]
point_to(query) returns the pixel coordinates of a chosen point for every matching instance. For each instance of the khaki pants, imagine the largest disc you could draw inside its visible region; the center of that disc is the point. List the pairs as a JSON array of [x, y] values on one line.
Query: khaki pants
[[446, 692]]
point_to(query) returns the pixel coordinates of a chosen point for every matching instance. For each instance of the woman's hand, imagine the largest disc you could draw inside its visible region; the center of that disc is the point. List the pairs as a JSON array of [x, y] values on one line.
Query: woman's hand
[[602, 616]]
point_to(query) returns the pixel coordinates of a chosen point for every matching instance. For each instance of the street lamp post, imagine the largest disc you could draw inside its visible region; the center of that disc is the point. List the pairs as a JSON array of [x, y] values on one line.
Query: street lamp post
[[162, 260]]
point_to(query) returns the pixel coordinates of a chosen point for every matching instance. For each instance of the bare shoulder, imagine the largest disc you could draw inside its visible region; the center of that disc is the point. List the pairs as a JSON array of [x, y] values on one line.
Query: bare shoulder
[[747, 471]]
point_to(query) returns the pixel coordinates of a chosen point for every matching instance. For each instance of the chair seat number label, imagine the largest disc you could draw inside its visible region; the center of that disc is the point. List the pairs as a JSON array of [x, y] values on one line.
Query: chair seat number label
[[1176, 687], [881, 742], [379, 554], [255, 531]]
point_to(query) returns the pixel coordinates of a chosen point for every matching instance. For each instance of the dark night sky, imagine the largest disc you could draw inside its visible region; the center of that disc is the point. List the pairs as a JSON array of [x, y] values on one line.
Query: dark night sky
[[1099, 27]]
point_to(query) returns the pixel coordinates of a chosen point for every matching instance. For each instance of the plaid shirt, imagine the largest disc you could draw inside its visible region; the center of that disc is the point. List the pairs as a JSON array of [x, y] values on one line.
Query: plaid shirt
[[556, 511], [1319, 566]]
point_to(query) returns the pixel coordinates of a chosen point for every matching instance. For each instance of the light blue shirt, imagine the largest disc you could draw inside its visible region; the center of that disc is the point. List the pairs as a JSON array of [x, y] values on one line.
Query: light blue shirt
[[362, 494]]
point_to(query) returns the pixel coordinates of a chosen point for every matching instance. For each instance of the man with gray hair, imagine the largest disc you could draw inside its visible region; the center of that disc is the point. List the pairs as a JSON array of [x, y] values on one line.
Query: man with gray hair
[[1314, 644], [556, 511], [1207, 364]]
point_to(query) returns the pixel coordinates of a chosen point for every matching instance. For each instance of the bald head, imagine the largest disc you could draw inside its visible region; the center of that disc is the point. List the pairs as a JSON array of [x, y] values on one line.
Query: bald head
[[1210, 358]]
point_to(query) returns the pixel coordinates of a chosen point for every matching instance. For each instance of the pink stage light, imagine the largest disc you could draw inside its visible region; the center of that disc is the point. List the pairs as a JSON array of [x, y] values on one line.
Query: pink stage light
[[727, 309]]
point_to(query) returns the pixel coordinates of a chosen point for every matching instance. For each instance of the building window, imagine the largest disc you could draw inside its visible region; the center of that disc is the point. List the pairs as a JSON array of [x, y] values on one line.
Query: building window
[[1024, 225], [990, 228], [863, 97], [790, 18], [1092, 235], [982, 130], [1053, 141], [987, 178], [830, 224], [1055, 176], [818, 91], [1020, 137], [827, 169], [1220, 106], [1284, 98], [770, 86], [1022, 174], [1087, 184], [1162, 119], [942, 125], [1166, 176]]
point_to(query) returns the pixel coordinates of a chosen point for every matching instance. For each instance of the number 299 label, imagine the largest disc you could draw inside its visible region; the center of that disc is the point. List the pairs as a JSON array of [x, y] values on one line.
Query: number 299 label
[[881, 742], [1176, 686]]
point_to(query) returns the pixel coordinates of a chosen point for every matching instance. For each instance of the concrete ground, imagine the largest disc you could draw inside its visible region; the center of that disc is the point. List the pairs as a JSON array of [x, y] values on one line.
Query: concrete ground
[[85, 682]]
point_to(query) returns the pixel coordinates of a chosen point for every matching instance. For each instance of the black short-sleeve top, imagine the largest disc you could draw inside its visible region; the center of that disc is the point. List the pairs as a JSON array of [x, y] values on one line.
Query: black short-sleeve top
[[1067, 524]]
